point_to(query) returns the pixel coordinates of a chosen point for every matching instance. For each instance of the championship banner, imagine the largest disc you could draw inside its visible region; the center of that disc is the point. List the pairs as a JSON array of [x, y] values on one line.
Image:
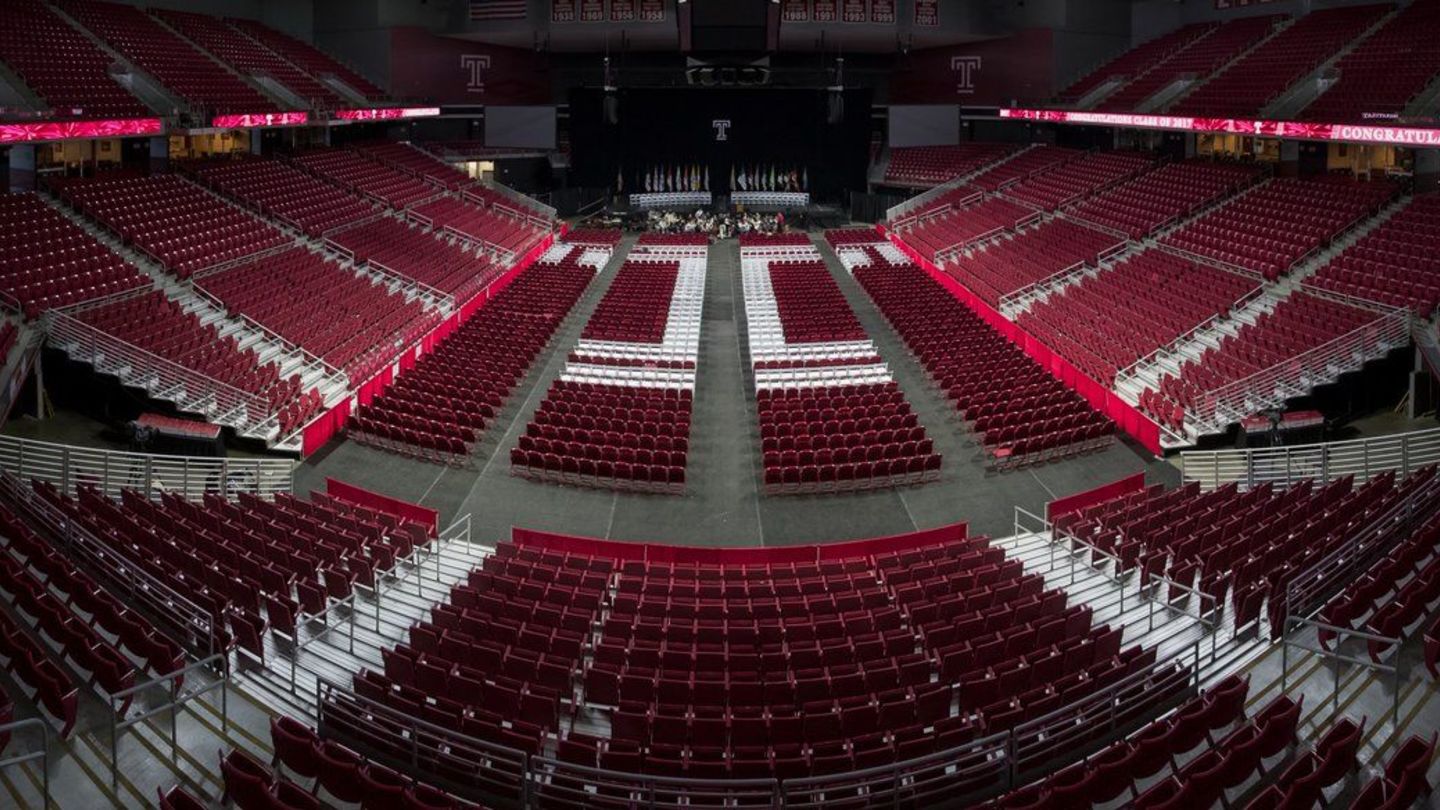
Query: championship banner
[[562, 11], [652, 10], [927, 12], [622, 10], [795, 11], [824, 11], [854, 11], [592, 10], [882, 11]]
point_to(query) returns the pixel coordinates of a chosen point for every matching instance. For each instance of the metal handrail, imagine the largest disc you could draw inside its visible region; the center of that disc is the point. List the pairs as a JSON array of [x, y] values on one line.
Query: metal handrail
[[42, 755], [1172, 348], [1402, 453], [215, 663]]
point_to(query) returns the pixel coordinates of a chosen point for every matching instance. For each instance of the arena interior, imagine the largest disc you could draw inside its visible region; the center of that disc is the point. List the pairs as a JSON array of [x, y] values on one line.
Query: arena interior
[[422, 404]]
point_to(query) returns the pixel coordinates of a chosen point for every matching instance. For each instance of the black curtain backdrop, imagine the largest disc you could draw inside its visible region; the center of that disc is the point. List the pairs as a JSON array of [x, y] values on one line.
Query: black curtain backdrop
[[784, 128]]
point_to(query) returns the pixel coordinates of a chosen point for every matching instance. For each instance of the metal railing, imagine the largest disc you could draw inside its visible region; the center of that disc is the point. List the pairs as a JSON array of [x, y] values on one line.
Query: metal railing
[[1172, 349], [161, 378], [1294, 377], [1402, 453], [529, 204], [42, 755], [111, 471], [175, 698]]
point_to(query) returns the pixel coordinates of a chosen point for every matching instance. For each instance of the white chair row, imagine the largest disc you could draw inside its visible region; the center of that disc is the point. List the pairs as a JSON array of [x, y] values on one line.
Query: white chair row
[[631, 376], [827, 377]]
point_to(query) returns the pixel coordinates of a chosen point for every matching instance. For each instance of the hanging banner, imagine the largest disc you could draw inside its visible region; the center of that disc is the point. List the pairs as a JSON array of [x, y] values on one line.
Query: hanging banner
[[824, 11], [927, 12], [652, 10], [882, 11], [795, 11], [562, 11], [854, 11], [592, 10], [622, 10]]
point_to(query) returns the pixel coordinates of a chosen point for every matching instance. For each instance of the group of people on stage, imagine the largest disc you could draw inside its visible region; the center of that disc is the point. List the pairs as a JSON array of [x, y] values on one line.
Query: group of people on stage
[[719, 224]]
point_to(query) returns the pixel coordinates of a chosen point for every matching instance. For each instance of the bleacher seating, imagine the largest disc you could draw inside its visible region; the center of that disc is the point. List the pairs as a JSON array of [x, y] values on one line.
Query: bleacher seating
[[162, 327], [1248, 544], [66, 70], [1391, 597], [1297, 324], [1104, 323], [1138, 60], [1137, 208], [1006, 265], [30, 664], [175, 63], [176, 223], [354, 324], [424, 256], [1386, 71], [1034, 161], [1060, 186], [933, 165], [1403, 781], [488, 226], [1397, 263], [1201, 59], [959, 227], [408, 158], [619, 415], [1247, 85], [249, 58], [439, 408], [1018, 411], [281, 191], [1329, 762], [1271, 229], [308, 58], [47, 261], [392, 187]]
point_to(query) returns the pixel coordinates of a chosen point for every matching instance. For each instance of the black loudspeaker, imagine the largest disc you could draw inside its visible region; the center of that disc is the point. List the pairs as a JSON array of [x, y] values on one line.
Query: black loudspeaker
[[612, 109], [834, 108]]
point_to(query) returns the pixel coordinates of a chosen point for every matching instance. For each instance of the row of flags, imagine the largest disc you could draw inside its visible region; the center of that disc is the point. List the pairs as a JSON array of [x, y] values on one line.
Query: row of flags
[[696, 177]]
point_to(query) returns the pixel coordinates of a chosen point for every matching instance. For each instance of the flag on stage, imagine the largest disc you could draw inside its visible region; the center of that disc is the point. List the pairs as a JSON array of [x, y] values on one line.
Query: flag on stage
[[620, 180], [732, 177], [805, 179]]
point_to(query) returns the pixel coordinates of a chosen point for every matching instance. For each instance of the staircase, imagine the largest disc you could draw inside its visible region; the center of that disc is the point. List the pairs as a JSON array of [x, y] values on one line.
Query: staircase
[[143, 86], [1169, 359], [1167, 97], [1301, 94]]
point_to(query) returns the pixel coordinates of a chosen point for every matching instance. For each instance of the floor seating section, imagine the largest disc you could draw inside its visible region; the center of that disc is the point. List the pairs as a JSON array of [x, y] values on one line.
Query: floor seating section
[[1297, 325], [353, 323], [47, 261], [345, 775], [735, 667], [1034, 161], [1403, 781], [1107, 321], [439, 408], [1060, 186], [1202, 58], [181, 67], [1138, 60], [1141, 206], [407, 158], [1397, 263], [178, 224], [1016, 409], [308, 58], [408, 250], [64, 68], [369, 178], [1274, 227], [1385, 71], [831, 416], [1029, 256], [959, 227], [1248, 544], [162, 327], [1392, 596], [249, 58], [1250, 83], [491, 226], [251, 564], [282, 192], [619, 415], [933, 165]]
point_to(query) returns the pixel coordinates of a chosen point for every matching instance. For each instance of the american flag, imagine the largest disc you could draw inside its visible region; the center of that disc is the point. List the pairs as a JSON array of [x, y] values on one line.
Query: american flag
[[497, 9]]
